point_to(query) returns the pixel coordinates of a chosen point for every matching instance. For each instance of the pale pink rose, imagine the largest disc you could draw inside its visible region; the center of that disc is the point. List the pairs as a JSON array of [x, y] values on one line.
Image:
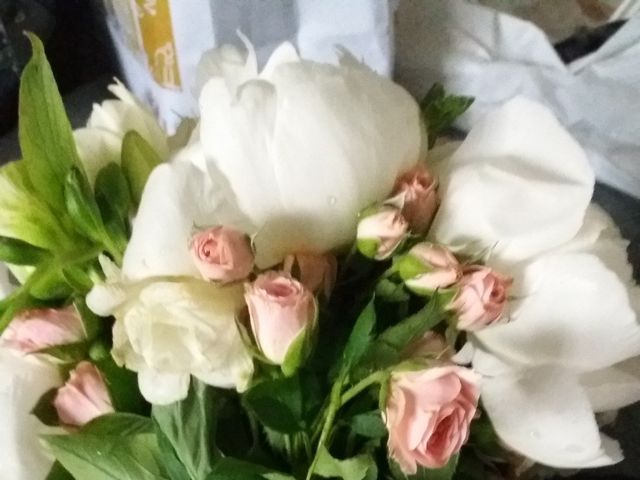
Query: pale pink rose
[[428, 267], [429, 345], [382, 232], [419, 189], [38, 329], [428, 415], [481, 299], [280, 309], [316, 272], [222, 254], [84, 396]]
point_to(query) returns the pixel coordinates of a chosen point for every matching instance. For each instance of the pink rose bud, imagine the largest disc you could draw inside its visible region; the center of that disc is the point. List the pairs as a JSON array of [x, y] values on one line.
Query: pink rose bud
[[316, 272], [38, 329], [481, 298], [281, 310], [222, 254], [381, 231], [419, 189], [84, 396], [428, 415], [428, 267]]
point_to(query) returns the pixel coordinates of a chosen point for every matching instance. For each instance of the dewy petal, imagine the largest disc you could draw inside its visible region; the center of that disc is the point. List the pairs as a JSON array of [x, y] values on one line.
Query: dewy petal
[[573, 311], [614, 387], [519, 183], [178, 198], [545, 415], [23, 380], [163, 388]]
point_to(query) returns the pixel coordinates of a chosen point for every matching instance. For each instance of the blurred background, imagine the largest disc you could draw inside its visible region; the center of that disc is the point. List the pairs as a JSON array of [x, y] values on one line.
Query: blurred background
[[579, 57]]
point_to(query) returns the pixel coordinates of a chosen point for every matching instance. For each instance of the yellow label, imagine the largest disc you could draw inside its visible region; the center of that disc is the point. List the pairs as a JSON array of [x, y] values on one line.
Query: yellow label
[[156, 31]]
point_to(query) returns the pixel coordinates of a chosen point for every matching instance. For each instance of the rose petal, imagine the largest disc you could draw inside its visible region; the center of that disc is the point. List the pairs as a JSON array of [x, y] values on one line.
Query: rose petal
[[545, 415], [573, 312], [510, 189]]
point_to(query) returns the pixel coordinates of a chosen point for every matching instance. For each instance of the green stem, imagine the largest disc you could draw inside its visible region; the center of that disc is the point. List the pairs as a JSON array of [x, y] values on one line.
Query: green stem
[[334, 406], [376, 377]]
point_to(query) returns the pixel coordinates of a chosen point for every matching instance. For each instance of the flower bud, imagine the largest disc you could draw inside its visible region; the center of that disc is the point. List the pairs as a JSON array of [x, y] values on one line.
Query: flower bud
[[427, 267], [381, 231], [481, 298], [283, 315], [419, 189], [222, 254], [84, 396], [316, 272], [38, 329], [428, 415]]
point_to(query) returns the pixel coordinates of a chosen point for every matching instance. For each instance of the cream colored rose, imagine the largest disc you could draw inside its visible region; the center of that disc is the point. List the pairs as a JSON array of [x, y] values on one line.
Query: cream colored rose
[[169, 330]]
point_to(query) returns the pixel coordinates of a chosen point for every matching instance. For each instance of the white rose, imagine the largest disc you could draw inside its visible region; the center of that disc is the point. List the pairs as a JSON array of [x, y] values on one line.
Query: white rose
[[290, 155], [520, 186], [169, 330], [23, 380], [100, 142]]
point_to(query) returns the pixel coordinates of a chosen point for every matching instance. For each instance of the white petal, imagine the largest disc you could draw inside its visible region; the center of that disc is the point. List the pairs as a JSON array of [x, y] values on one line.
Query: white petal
[[97, 148], [178, 198], [285, 53], [519, 182], [23, 380], [573, 312], [163, 388], [614, 387], [103, 299], [227, 62], [545, 415]]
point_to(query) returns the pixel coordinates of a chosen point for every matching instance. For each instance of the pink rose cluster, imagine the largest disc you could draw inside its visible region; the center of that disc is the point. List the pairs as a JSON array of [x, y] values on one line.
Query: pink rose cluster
[[478, 295], [85, 395]]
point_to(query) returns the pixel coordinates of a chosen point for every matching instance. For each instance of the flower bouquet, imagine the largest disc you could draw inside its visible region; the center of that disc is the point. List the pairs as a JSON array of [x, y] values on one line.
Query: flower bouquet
[[307, 281]]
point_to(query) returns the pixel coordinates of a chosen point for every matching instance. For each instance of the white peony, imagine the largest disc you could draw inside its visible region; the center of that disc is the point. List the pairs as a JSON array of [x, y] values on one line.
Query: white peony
[[169, 330], [521, 186], [23, 380], [289, 155], [100, 142]]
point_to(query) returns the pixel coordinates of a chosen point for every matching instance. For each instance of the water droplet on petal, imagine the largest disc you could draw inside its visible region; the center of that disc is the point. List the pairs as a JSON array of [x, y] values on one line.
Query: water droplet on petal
[[332, 200]]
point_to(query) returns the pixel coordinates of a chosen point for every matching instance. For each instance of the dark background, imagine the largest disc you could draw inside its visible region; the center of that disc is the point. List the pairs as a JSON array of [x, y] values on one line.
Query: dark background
[[78, 47]]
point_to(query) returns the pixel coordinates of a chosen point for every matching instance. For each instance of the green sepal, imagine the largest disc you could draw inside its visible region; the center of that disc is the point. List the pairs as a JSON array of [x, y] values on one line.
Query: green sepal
[[368, 247], [138, 160], [409, 267], [301, 347], [70, 353]]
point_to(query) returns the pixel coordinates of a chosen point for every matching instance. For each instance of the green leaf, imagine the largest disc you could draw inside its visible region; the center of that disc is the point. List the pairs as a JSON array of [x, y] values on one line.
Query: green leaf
[[175, 468], [114, 201], [369, 425], [190, 425], [362, 467], [138, 160], [82, 207], [440, 110], [111, 188], [230, 468], [45, 134], [123, 386], [17, 252], [278, 404], [58, 472], [360, 337], [112, 447], [24, 215], [445, 473], [413, 327]]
